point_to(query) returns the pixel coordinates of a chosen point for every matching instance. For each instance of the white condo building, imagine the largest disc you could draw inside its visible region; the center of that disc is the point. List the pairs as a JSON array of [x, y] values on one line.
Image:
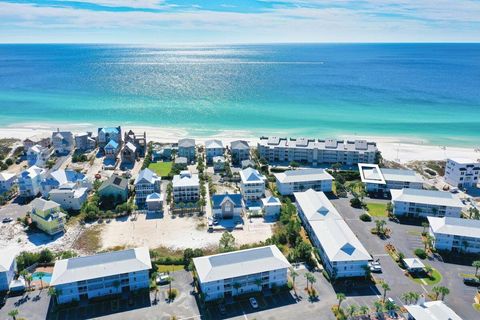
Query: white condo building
[[7, 180], [341, 252], [423, 203], [186, 187], [8, 267], [431, 310], [292, 181], [252, 184], [455, 234], [315, 152], [102, 274], [383, 180], [234, 273], [462, 173]]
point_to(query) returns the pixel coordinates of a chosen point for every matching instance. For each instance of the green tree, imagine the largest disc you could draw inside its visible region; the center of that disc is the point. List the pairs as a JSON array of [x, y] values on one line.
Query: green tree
[[436, 290], [40, 276], [378, 306], [351, 310], [227, 242], [293, 275], [379, 225], [13, 313], [425, 226], [385, 288], [364, 310], [310, 278], [340, 298], [476, 265]]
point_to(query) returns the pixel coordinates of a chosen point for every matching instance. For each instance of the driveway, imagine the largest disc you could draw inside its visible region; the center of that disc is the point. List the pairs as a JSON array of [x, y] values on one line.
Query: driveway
[[14, 211]]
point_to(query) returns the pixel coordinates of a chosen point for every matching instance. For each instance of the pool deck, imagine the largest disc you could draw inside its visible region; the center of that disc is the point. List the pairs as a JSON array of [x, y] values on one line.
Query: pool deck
[[43, 284]]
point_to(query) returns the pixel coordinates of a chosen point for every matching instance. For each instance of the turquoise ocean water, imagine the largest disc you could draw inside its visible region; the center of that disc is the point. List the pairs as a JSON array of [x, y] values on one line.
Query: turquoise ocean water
[[425, 91]]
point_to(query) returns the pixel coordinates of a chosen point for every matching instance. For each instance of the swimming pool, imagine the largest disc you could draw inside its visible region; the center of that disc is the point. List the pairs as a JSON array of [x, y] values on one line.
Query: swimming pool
[[47, 277]]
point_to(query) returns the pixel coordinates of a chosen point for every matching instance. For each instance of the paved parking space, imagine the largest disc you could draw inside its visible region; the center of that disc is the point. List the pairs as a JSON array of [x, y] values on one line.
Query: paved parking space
[[14, 211], [32, 306]]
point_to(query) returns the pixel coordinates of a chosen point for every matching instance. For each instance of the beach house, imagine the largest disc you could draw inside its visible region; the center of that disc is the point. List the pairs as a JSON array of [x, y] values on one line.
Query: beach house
[[85, 141], [213, 148], [63, 142], [137, 140], [105, 135], [146, 183], [111, 150], [227, 206], [292, 181], [7, 181], [69, 196], [29, 181], [43, 142], [8, 267], [382, 180], [239, 150], [462, 173], [130, 153], [162, 153], [252, 184], [186, 149], [115, 189], [154, 202], [422, 203], [47, 216], [455, 234], [38, 155], [104, 274], [315, 152], [218, 163], [226, 275], [57, 178], [186, 187], [271, 207]]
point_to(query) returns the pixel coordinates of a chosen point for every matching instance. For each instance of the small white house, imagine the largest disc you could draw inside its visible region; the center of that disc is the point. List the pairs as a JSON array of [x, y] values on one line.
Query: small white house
[[271, 207], [455, 234], [383, 180], [252, 185], [292, 181], [462, 173], [8, 267], [414, 265], [7, 180], [431, 310], [154, 202], [69, 196]]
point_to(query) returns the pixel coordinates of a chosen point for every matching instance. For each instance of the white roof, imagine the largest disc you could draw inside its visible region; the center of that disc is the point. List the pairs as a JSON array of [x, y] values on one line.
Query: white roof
[[34, 171], [250, 175], [154, 197], [316, 206], [239, 263], [42, 204], [372, 173], [213, 144], [184, 180], [440, 198], [6, 258], [401, 175], [100, 265], [338, 241], [271, 202], [455, 226], [432, 310], [413, 263], [465, 160], [5, 175], [303, 175]]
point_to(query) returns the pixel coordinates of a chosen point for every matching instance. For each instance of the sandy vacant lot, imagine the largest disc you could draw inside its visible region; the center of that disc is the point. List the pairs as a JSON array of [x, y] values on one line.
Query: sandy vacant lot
[[176, 233]]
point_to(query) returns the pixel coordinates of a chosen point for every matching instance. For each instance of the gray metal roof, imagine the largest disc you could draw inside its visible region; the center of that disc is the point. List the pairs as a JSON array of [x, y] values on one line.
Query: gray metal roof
[[146, 175], [432, 197], [239, 263], [303, 175], [432, 310], [42, 204], [115, 181], [455, 226], [316, 206], [239, 144], [186, 143], [100, 265], [213, 144], [250, 175]]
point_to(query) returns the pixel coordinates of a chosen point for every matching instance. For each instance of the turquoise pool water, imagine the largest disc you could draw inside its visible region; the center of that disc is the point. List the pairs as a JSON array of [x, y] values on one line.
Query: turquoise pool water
[[46, 278]]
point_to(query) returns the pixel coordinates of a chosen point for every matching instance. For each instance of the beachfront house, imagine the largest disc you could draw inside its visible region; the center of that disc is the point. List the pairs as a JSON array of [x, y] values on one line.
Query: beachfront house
[[342, 254], [252, 184], [455, 234], [69, 196], [162, 153], [139, 141], [422, 203], [8, 267], [186, 187], [315, 152], [218, 163], [29, 182], [57, 178], [271, 207], [7, 181], [85, 141], [111, 150], [213, 148], [105, 135], [63, 142], [114, 190], [44, 142], [129, 153], [146, 183], [382, 180], [292, 181], [47, 216], [154, 202], [227, 206], [462, 173], [38, 155], [226, 275], [186, 149], [239, 150], [104, 274], [431, 310]]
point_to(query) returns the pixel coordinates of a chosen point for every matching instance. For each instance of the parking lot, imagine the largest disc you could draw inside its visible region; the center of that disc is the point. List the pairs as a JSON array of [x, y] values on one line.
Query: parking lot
[[406, 238], [13, 211]]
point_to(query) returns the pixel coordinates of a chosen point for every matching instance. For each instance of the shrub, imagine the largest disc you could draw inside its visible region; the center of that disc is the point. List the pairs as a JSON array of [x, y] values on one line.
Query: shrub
[[356, 202], [172, 294], [420, 253], [365, 217]]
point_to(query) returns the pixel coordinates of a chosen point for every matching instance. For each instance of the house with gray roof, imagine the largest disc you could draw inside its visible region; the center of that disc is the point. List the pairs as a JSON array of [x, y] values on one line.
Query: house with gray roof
[[382, 180], [455, 234], [146, 183], [55, 179], [252, 184], [227, 206], [431, 310], [63, 142], [85, 141], [29, 181], [186, 148], [186, 187], [103, 274], [213, 148], [300, 180], [115, 187], [240, 150], [235, 273]]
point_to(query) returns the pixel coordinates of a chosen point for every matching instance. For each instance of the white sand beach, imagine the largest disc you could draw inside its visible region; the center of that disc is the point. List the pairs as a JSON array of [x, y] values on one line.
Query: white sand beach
[[399, 149]]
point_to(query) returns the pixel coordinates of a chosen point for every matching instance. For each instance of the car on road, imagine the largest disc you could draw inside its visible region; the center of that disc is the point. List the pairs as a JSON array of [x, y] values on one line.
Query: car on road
[[375, 266], [253, 303], [163, 278], [7, 220], [473, 282]]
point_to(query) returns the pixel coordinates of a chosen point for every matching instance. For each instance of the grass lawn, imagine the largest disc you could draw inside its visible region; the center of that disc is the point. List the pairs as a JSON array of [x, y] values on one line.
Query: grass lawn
[[169, 268], [436, 278], [161, 168], [377, 209]]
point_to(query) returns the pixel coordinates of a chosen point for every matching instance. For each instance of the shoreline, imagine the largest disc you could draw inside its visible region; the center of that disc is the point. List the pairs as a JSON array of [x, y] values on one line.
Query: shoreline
[[398, 149]]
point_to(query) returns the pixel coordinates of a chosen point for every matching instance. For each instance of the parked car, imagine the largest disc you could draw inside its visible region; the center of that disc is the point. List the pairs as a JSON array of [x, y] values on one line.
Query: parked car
[[7, 220], [253, 303], [163, 278], [471, 282], [375, 266]]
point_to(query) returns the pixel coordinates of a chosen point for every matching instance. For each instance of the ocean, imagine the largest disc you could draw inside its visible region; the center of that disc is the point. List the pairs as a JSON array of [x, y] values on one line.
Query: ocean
[[422, 91]]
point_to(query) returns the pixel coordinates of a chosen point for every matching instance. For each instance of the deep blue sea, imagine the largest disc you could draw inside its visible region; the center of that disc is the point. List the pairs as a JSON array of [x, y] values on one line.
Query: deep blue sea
[[428, 91]]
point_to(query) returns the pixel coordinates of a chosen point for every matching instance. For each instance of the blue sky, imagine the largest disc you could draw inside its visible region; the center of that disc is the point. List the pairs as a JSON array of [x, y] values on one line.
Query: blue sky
[[238, 21]]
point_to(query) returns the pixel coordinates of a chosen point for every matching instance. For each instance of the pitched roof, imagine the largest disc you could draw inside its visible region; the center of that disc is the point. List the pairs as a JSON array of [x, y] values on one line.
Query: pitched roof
[[7, 256], [455, 226], [316, 206], [432, 310], [148, 176], [100, 265], [185, 180], [271, 201], [154, 197], [130, 146], [303, 175], [115, 181], [239, 263], [5, 175], [413, 263], [219, 199], [440, 198], [186, 143], [239, 144], [251, 175], [42, 204], [112, 144], [65, 176], [109, 130], [213, 144]]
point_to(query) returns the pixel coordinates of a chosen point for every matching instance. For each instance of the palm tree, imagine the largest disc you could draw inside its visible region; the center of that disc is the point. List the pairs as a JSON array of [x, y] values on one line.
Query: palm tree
[[13, 313], [308, 276], [390, 305], [54, 293], [340, 298], [428, 270], [385, 288], [378, 306], [436, 291], [425, 226], [351, 310], [364, 310], [379, 225], [258, 283], [294, 274], [170, 280], [40, 276], [444, 291], [476, 265]]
